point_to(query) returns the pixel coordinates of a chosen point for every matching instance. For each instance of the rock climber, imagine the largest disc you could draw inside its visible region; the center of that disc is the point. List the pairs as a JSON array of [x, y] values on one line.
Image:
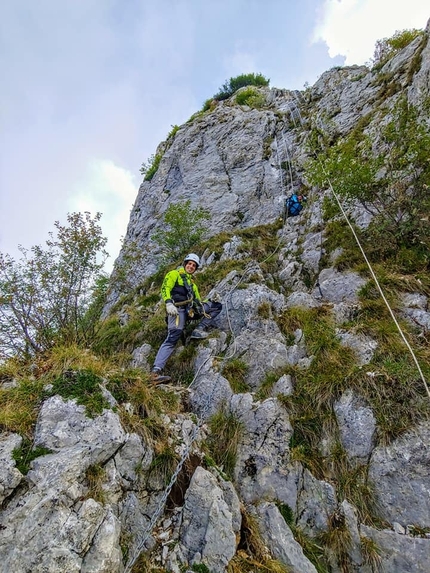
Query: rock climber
[[183, 303]]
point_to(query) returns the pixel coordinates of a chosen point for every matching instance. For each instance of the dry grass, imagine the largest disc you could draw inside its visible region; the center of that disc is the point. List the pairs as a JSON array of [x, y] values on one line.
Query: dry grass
[[371, 554], [19, 407], [95, 477], [253, 555], [223, 440]]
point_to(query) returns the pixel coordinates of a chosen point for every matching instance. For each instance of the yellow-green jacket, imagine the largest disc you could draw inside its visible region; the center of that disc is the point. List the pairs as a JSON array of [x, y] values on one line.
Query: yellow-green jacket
[[179, 286]]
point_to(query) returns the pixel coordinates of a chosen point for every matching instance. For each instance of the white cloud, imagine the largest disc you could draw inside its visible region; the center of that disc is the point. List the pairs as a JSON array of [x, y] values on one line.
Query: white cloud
[[239, 62], [111, 190], [351, 28]]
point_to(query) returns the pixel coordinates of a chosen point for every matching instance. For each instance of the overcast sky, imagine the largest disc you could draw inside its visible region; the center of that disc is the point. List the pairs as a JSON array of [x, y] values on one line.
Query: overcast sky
[[91, 87]]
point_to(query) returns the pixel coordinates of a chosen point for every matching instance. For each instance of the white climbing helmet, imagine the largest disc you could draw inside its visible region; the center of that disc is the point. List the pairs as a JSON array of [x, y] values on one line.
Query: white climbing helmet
[[192, 257]]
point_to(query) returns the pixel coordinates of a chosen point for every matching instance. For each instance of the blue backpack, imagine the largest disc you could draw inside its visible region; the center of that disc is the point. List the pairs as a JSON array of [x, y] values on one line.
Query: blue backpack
[[293, 205]]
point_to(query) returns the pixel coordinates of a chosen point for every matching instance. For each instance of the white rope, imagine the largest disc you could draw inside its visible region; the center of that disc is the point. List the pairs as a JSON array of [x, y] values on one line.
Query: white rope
[[379, 287]]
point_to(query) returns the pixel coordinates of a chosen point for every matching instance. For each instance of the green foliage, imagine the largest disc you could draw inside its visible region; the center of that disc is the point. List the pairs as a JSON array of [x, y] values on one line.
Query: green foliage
[[209, 105], [200, 568], [173, 132], [312, 550], [222, 442], [251, 97], [350, 167], [150, 169], [235, 370], [392, 185], [85, 387], [233, 84], [53, 295], [287, 513], [183, 228], [387, 48], [316, 388], [164, 464], [352, 483], [25, 454]]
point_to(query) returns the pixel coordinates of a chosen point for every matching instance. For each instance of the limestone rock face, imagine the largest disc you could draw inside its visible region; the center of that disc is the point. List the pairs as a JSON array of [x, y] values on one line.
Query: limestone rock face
[[400, 474], [10, 476], [209, 523], [357, 427], [240, 163], [281, 541]]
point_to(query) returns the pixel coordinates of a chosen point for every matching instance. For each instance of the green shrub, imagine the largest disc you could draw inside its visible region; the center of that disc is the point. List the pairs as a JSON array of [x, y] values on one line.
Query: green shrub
[[25, 454], [250, 97], [53, 295], [183, 228], [173, 132], [233, 84], [85, 387], [386, 48], [150, 169], [391, 185]]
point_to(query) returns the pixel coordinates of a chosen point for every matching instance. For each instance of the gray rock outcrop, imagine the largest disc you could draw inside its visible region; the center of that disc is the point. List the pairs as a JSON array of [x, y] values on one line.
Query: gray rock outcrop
[[233, 160]]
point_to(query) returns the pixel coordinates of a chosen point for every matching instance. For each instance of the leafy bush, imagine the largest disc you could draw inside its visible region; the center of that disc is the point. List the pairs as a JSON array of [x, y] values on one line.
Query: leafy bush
[[53, 295], [233, 84], [251, 98], [150, 169], [392, 184], [183, 228], [386, 48], [173, 132]]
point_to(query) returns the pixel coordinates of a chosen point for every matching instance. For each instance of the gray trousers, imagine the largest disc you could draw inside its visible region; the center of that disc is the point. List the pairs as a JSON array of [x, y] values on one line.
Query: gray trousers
[[175, 327]]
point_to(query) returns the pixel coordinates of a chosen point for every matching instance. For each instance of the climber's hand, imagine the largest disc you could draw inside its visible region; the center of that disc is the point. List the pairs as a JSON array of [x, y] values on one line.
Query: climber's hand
[[171, 309]]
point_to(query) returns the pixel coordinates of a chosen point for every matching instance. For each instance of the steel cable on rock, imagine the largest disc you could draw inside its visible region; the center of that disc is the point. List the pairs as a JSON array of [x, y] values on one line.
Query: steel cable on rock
[[132, 560]]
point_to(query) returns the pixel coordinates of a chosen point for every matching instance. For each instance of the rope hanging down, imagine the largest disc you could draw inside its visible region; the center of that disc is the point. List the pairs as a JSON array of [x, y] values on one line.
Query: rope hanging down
[[379, 287]]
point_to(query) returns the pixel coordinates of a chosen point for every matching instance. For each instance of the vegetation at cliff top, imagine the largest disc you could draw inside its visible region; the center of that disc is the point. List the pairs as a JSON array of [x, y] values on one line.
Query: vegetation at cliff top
[[150, 168], [233, 84], [386, 48]]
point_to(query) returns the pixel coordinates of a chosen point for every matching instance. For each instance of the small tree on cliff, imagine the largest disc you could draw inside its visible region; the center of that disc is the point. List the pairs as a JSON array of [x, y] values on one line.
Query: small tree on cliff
[[390, 179], [52, 295], [183, 228]]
